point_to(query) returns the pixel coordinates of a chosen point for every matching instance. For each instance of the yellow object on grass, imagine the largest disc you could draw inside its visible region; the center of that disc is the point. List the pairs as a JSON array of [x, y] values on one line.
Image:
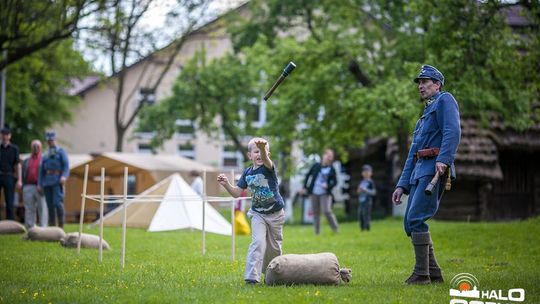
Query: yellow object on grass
[[241, 226]]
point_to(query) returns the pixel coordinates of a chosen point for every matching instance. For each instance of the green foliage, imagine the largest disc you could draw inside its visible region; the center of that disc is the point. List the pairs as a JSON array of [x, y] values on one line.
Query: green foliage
[[218, 93], [167, 267], [36, 91], [27, 26], [356, 61], [489, 67]]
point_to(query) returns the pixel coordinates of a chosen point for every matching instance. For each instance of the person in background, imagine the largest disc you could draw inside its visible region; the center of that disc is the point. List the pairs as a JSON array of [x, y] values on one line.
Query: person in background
[[197, 183], [34, 202], [366, 192], [9, 165], [319, 182], [52, 179]]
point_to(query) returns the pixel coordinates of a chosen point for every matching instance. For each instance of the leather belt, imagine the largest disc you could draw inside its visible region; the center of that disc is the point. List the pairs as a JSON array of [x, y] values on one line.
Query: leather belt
[[427, 153], [54, 172]]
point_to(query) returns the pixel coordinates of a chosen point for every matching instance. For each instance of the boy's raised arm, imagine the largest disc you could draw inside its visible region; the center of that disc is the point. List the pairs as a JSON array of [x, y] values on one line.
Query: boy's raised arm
[[261, 144]]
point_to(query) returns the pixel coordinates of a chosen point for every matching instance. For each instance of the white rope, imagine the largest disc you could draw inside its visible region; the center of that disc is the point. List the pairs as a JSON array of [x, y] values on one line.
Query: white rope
[[159, 198]]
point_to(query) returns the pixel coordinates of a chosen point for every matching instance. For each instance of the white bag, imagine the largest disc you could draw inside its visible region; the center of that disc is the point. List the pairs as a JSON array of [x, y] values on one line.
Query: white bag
[[320, 268], [87, 241], [11, 227], [46, 234]]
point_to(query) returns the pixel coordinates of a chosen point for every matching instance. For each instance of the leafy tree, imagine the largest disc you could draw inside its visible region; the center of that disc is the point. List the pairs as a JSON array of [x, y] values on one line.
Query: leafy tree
[[356, 60], [120, 36], [216, 96], [28, 26], [37, 91]]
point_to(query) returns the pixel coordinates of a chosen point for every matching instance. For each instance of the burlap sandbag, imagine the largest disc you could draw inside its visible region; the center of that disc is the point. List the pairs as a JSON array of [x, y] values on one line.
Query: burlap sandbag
[[87, 241], [11, 227], [45, 234], [320, 268]]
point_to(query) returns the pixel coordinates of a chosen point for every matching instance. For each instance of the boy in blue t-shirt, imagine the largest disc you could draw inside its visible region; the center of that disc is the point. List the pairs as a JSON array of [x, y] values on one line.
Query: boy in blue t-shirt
[[266, 213]]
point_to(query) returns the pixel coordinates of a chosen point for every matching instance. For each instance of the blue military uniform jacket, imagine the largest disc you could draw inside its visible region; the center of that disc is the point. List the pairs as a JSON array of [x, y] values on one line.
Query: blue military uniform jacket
[[439, 127], [54, 164]]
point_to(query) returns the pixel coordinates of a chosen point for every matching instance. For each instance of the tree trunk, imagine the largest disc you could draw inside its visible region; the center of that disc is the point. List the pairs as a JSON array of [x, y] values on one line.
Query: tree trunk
[[120, 133]]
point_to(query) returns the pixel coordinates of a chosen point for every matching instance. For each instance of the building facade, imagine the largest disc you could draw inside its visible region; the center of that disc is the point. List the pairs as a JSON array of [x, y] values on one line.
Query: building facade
[[92, 128]]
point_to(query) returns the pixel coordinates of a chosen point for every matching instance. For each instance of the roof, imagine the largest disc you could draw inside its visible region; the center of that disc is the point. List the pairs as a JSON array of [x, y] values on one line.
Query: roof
[[477, 156], [75, 160], [93, 82], [114, 163], [509, 138]]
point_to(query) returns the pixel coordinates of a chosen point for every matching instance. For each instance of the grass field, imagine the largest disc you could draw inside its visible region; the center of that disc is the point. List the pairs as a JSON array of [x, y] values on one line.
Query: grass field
[[168, 267]]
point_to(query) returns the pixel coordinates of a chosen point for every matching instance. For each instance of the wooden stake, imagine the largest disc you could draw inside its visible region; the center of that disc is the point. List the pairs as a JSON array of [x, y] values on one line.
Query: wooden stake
[[204, 215], [83, 202], [124, 219], [233, 236], [101, 203]]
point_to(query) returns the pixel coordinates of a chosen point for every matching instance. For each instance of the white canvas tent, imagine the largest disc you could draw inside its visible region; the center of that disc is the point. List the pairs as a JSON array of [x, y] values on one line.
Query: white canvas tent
[[180, 208]]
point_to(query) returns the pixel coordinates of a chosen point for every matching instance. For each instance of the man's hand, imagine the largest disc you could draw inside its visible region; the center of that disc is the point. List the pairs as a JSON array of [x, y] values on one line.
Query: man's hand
[[303, 191], [62, 180], [222, 179], [39, 189], [396, 196], [19, 184], [441, 168]]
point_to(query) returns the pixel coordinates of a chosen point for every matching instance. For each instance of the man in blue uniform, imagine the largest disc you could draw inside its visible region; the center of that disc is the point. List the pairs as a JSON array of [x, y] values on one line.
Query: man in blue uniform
[[54, 172], [435, 141]]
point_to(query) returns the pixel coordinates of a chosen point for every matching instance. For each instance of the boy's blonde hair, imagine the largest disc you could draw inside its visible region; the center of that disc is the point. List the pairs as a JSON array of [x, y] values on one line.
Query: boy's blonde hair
[[251, 143]]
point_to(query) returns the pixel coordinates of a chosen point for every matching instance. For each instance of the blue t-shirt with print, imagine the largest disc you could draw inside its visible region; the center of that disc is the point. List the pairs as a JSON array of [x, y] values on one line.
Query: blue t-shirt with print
[[263, 184]]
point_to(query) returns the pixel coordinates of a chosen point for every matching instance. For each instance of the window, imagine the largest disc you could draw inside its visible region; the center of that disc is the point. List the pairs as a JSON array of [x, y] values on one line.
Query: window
[[185, 128], [230, 162], [231, 157], [147, 96], [144, 149], [187, 150], [257, 113]]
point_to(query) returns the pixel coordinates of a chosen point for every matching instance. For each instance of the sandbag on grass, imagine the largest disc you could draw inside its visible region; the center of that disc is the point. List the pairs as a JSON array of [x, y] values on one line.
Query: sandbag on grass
[[87, 241], [319, 269], [11, 227], [45, 234]]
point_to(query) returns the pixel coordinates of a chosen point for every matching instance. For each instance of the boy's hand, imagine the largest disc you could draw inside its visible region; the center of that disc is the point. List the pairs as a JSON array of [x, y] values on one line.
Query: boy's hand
[[261, 144], [222, 179]]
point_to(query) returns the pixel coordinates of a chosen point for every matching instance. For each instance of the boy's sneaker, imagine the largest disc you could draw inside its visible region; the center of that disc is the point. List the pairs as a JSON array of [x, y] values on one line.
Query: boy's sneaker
[[251, 282]]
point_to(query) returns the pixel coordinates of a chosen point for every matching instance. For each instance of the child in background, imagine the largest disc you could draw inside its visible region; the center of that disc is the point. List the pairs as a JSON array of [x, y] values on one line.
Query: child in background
[[366, 191], [266, 213]]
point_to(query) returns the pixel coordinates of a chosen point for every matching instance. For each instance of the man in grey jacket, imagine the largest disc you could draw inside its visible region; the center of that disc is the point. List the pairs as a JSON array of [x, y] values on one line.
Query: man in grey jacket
[[34, 201]]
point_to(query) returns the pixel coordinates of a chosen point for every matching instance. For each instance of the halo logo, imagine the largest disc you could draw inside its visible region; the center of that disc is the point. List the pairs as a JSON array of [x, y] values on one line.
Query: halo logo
[[465, 285]]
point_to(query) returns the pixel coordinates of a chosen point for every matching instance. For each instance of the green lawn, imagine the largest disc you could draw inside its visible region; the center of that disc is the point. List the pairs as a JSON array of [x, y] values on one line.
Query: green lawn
[[168, 267]]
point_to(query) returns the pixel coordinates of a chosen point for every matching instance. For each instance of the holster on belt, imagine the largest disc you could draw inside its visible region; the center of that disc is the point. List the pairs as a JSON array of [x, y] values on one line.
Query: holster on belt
[[426, 154]]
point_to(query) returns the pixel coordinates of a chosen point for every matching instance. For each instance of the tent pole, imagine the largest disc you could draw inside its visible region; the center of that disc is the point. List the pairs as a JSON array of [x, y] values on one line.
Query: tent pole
[[233, 236], [83, 202], [101, 203], [123, 259], [204, 215]]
